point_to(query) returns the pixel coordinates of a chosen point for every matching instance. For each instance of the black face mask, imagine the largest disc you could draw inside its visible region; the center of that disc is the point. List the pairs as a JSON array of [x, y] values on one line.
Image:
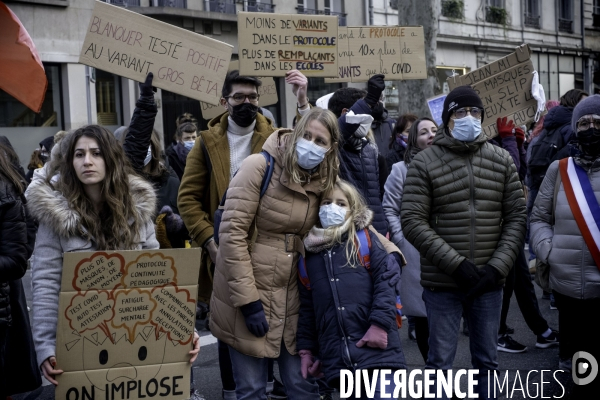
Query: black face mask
[[244, 114], [377, 111], [589, 142]]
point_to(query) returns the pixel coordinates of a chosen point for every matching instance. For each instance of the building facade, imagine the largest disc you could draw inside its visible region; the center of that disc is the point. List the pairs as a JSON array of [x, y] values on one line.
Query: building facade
[[561, 33], [79, 95]]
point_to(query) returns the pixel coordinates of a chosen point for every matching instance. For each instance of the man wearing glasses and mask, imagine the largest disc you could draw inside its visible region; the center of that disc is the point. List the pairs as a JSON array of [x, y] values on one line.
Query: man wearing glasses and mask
[[216, 156], [464, 210]]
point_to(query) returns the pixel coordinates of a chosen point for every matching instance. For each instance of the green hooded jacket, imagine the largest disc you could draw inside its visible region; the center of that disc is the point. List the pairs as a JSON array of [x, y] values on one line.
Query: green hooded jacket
[[463, 200]]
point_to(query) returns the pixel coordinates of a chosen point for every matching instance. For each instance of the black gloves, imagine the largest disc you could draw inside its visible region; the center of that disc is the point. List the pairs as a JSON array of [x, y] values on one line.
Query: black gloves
[[466, 275], [375, 87], [392, 272], [146, 88], [256, 322], [489, 277]]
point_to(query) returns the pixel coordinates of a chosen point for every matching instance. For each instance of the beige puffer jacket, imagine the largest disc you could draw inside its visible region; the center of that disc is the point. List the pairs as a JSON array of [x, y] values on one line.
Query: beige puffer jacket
[[269, 272]]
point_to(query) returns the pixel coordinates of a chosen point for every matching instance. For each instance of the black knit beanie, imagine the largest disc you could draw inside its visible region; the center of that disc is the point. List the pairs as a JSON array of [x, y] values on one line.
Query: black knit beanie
[[462, 96]]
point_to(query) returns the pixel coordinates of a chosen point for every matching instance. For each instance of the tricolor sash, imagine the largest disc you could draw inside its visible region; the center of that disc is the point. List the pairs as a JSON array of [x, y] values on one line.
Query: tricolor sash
[[583, 203]]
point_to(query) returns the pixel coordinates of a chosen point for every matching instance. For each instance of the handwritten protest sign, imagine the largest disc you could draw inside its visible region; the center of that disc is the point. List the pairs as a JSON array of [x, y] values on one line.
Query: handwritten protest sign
[[504, 87], [126, 323], [398, 52], [345, 70], [267, 92], [271, 44], [128, 44]]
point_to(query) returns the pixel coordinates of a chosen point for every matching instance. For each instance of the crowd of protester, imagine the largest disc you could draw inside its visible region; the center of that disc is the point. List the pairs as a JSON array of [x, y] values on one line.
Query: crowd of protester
[[324, 229]]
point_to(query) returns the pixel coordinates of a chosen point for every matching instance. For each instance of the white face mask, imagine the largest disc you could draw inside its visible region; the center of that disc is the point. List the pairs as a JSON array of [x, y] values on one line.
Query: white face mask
[[332, 215], [309, 154], [148, 156], [466, 129]]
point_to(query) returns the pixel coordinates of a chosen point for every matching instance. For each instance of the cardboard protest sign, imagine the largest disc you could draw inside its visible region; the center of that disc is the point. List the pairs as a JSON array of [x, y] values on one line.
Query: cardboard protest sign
[[126, 324], [267, 92], [398, 52], [345, 70], [128, 44], [271, 44], [436, 107], [504, 87]]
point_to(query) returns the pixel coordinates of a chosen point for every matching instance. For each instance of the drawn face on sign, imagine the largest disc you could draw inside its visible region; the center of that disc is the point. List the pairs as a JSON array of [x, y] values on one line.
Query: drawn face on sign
[[106, 362]]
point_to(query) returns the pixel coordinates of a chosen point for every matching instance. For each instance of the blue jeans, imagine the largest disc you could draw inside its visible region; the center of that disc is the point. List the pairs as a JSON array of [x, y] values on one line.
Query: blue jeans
[[250, 375], [444, 311]]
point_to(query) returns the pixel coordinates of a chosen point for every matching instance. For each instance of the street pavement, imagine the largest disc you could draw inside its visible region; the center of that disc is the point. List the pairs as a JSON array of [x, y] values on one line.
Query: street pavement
[[208, 382]]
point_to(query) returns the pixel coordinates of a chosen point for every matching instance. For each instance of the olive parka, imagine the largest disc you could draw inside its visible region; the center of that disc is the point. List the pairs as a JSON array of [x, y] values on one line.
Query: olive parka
[[205, 181], [463, 200]]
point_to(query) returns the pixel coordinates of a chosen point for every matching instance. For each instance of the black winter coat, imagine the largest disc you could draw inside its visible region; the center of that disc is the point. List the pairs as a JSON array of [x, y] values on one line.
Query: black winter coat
[[383, 131], [13, 244], [361, 167], [396, 154], [556, 134], [341, 305], [177, 156], [136, 148]]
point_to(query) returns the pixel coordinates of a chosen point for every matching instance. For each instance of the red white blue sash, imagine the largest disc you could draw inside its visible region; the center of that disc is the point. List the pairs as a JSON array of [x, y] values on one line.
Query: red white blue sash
[[583, 203]]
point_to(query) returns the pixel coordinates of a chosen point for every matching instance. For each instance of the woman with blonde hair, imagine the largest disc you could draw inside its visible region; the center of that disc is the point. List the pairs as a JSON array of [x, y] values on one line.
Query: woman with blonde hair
[[96, 202], [255, 303]]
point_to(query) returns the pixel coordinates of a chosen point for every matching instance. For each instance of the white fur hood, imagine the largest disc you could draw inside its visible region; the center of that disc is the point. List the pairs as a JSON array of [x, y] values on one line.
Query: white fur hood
[[50, 207]]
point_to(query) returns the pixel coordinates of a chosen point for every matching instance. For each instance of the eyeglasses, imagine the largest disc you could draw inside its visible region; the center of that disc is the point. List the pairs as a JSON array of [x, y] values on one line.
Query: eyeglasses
[[586, 123], [462, 112], [240, 97]]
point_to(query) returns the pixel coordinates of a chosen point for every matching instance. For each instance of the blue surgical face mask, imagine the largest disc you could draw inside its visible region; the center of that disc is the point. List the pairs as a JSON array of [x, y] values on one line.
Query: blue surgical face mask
[[466, 129], [309, 154], [332, 215], [189, 144]]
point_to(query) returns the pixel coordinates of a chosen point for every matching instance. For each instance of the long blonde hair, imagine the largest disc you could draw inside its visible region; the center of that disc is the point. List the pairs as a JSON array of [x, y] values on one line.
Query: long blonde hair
[[328, 169], [358, 206]]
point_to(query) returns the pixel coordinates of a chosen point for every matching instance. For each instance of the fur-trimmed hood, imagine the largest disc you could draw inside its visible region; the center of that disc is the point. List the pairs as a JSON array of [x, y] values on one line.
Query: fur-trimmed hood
[[50, 207], [318, 239]]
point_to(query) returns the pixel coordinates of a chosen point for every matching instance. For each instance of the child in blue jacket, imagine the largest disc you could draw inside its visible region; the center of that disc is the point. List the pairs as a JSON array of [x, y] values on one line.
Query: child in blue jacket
[[347, 316]]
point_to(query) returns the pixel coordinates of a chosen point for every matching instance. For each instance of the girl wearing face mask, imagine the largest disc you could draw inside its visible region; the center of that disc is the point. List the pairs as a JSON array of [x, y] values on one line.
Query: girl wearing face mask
[[399, 139], [177, 155], [254, 304], [420, 137], [338, 280]]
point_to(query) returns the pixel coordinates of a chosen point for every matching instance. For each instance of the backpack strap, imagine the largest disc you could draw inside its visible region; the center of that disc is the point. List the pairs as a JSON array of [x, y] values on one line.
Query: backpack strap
[[302, 274], [363, 242], [268, 173]]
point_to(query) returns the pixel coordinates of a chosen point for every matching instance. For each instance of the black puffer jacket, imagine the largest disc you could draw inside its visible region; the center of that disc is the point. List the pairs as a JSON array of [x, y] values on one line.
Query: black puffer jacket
[[13, 244], [136, 148], [556, 134], [340, 307], [361, 167]]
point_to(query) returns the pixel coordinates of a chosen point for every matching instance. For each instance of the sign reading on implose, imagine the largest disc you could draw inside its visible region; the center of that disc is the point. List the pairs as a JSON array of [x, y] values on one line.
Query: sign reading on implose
[[272, 44], [131, 45], [126, 324], [398, 52], [504, 87]]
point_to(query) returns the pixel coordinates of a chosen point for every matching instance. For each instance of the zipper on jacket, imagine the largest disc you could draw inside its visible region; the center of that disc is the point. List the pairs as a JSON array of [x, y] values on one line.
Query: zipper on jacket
[[472, 206], [329, 266]]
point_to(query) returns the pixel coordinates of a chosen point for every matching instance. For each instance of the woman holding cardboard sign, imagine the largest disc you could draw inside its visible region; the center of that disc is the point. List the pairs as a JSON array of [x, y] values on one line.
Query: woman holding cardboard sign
[[94, 203], [255, 300]]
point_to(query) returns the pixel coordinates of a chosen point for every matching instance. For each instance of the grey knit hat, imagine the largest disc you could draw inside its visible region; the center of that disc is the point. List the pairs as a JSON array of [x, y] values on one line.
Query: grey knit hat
[[587, 106]]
